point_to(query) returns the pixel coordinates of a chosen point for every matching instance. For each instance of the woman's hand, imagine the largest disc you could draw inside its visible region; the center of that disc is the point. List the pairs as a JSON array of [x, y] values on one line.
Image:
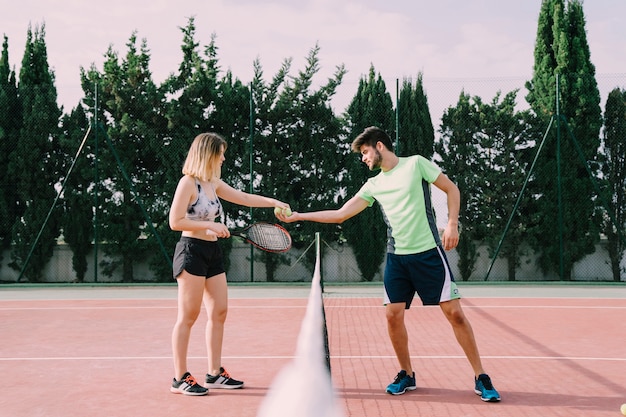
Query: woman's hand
[[218, 229]]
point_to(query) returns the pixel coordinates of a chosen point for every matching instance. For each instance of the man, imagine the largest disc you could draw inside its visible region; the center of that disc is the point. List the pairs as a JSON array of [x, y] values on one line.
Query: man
[[415, 259]]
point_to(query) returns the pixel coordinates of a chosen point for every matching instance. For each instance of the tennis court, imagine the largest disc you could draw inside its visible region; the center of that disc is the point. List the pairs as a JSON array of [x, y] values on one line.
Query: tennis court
[[551, 350]]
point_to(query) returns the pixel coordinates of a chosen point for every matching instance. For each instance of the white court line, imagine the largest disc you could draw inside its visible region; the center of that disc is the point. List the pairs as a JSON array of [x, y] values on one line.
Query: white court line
[[173, 307], [85, 307], [343, 357], [548, 306], [275, 307]]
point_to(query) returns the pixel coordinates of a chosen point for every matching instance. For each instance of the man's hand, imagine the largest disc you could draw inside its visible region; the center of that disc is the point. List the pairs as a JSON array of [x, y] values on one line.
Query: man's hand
[[450, 238], [282, 216]]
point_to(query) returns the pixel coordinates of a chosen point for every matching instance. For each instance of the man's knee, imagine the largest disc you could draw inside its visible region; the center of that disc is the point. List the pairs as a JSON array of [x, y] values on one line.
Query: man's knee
[[454, 312], [395, 312]]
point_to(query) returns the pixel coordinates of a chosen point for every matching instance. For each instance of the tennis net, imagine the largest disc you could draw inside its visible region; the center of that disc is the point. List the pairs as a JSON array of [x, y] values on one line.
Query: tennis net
[[304, 386]]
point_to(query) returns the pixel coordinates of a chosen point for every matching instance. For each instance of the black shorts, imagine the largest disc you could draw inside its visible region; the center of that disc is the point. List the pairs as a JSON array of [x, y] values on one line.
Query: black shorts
[[426, 273], [198, 257]]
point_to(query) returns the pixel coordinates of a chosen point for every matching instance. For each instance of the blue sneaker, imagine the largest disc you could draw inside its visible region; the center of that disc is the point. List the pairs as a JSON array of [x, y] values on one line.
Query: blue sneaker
[[485, 389], [402, 384]]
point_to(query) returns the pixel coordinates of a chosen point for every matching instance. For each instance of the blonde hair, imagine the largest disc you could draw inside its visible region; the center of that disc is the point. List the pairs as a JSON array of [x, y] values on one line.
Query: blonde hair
[[203, 158]]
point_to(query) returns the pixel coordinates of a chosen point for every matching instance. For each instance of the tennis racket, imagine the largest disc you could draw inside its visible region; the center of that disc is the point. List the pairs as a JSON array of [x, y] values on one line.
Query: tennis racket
[[265, 236]]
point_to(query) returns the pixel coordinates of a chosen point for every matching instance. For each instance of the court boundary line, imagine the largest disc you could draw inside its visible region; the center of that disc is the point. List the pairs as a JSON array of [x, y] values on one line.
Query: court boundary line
[[274, 307], [339, 357]]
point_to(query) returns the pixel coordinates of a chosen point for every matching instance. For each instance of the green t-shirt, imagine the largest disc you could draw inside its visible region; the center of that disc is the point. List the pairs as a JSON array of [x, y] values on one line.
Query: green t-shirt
[[404, 196]]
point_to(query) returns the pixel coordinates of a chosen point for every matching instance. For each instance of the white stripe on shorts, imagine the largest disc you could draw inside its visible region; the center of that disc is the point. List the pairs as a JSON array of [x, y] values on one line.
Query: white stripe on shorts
[[449, 290]]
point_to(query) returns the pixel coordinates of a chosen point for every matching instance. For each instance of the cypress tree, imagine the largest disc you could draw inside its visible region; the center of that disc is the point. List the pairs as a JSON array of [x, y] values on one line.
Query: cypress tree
[[416, 132], [78, 201], [32, 165], [10, 124], [367, 232], [614, 170], [562, 183]]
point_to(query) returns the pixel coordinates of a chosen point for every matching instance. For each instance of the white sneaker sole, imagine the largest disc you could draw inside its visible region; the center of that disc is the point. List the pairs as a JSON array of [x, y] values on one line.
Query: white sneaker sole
[[190, 393], [222, 386], [401, 392]]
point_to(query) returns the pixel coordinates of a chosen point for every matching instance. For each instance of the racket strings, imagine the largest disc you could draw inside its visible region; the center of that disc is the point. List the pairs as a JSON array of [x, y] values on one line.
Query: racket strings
[[270, 237]]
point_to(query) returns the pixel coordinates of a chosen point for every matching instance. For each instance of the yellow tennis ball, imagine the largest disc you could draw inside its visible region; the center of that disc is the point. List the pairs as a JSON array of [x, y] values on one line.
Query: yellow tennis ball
[[623, 409], [286, 211]]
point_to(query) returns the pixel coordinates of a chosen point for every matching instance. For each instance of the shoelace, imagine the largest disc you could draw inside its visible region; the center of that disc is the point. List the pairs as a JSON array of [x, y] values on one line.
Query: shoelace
[[399, 377], [190, 380], [225, 374], [487, 383]]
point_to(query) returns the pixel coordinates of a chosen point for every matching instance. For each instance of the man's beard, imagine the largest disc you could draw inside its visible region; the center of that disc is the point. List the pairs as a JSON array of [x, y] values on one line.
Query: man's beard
[[377, 161]]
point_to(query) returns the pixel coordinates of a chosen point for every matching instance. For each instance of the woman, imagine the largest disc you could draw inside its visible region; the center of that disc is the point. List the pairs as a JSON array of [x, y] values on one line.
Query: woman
[[198, 265]]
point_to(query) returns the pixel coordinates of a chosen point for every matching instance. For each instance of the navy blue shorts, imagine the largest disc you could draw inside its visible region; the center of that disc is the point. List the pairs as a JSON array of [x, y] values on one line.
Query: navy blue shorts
[[426, 273], [198, 257]]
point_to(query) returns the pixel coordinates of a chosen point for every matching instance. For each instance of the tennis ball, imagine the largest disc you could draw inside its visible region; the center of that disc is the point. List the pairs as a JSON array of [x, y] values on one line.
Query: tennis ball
[[623, 409], [286, 212]]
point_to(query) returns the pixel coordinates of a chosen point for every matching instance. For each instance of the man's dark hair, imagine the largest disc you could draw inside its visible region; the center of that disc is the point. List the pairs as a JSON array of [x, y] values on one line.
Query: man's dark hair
[[370, 137]]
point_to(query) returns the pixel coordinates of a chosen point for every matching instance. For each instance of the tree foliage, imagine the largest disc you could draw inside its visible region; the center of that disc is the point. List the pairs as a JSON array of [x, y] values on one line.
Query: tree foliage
[[33, 165], [298, 152], [78, 201], [483, 149], [10, 124], [503, 144], [416, 134], [459, 157], [195, 102], [367, 232], [132, 134], [614, 171], [565, 196]]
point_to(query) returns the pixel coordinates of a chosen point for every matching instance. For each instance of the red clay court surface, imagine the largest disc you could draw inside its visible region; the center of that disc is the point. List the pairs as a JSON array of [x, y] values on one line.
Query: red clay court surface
[[550, 350]]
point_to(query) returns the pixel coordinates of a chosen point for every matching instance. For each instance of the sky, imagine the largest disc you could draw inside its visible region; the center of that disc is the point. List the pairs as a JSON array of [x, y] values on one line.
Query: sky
[[476, 46]]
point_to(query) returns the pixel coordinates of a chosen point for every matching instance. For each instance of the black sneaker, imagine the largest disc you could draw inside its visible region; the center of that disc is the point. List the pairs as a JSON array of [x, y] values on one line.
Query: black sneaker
[[485, 389], [187, 385], [223, 380]]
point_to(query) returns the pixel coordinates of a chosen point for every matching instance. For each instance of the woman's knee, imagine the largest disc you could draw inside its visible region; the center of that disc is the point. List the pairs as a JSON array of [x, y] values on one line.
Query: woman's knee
[[217, 312], [220, 314], [187, 318]]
